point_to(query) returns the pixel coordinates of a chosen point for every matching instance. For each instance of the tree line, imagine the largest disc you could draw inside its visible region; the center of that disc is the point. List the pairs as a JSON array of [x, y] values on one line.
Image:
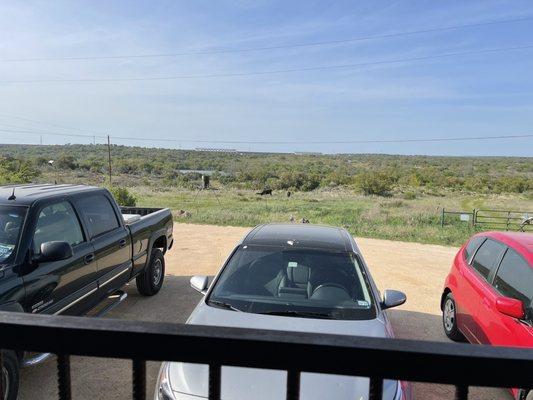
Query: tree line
[[368, 173]]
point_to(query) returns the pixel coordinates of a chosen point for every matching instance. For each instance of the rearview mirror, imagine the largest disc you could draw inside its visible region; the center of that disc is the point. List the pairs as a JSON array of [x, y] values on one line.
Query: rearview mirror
[[54, 251], [393, 298], [511, 307], [199, 283]]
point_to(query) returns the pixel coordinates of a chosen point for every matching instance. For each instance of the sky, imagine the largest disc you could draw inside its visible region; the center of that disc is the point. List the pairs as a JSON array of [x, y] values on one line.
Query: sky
[[273, 91]]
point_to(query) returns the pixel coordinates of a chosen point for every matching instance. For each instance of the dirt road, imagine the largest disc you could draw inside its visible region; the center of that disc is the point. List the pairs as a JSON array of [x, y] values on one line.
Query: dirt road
[[417, 269]]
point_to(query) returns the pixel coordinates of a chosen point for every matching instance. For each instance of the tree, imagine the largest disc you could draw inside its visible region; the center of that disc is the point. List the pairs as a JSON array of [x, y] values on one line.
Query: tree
[[123, 196], [374, 183]]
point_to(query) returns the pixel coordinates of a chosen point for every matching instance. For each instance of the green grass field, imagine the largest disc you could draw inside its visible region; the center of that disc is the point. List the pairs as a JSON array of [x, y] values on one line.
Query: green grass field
[[394, 218], [340, 189]]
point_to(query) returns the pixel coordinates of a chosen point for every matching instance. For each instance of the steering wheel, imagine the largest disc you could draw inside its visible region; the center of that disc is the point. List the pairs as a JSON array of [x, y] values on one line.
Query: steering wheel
[[335, 285]]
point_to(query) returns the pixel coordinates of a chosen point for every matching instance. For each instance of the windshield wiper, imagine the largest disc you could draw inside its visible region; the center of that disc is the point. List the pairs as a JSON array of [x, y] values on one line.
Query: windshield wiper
[[223, 304], [300, 314]]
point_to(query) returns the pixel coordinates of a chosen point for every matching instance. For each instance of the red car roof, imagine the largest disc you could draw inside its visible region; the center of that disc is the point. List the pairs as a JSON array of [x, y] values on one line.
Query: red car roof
[[520, 241]]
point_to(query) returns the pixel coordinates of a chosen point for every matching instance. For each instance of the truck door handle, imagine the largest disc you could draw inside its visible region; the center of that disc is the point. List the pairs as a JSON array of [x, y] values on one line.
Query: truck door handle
[[89, 258], [122, 243]]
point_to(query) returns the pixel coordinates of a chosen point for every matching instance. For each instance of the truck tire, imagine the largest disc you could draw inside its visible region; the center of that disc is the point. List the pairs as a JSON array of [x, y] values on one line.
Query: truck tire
[[149, 281], [10, 374]]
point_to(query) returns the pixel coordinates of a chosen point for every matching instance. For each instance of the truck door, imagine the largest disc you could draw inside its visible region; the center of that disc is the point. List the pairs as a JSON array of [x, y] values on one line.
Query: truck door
[[55, 287], [110, 239]]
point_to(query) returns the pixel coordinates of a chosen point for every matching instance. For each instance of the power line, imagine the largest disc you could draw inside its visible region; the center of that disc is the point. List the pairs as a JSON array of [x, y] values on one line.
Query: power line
[[45, 123], [458, 139], [266, 142], [266, 48], [39, 132], [272, 72]]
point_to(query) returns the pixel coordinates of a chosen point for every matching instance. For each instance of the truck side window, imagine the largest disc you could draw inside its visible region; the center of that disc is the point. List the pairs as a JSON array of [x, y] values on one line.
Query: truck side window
[[99, 214], [515, 278], [487, 256], [57, 222]]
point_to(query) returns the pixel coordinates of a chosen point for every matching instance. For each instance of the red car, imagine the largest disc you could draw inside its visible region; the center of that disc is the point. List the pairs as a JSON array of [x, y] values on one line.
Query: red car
[[488, 294]]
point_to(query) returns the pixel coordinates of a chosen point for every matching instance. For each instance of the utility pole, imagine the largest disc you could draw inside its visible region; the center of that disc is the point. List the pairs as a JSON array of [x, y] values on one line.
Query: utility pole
[[109, 158]]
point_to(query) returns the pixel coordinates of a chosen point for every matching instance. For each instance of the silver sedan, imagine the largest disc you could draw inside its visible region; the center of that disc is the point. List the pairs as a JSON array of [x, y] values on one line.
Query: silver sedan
[[303, 278]]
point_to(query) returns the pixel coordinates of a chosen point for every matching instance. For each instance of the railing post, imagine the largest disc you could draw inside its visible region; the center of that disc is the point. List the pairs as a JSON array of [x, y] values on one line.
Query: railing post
[[293, 385], [139, 379], [63, 377], [214, 381], [2, 394], [376, 388], [461, 392]]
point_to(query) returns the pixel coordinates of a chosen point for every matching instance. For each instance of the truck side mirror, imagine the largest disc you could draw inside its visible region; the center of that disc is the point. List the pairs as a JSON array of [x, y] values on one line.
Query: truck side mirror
[[54, 251]]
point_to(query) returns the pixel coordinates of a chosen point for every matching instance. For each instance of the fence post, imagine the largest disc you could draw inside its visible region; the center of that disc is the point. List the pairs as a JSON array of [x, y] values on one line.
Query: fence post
[[474, 217], [442, 218]]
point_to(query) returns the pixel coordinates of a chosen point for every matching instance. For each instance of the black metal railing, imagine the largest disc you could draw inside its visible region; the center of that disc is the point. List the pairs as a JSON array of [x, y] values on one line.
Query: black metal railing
[[461, 365]]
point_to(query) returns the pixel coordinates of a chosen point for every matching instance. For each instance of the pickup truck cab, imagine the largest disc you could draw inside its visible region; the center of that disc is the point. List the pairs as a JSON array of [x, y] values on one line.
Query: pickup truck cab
[[64, 249]]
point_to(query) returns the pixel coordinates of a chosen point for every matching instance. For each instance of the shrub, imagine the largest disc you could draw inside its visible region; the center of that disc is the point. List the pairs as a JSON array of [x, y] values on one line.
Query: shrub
[[123, 196], [65, 161], [374, 183], [16, 171]]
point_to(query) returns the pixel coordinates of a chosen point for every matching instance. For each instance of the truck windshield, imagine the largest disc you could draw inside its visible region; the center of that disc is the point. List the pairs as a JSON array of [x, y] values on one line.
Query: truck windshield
[[307, 283], [11, 221]]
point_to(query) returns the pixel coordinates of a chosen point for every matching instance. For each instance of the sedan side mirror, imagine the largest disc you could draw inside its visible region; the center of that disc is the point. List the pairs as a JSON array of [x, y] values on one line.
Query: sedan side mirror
[[511, 307], [199, 283], [393, 298], [54, 251]]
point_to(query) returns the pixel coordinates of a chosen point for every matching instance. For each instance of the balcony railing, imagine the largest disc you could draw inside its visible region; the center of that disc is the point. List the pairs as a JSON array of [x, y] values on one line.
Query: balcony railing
[[461, 365]]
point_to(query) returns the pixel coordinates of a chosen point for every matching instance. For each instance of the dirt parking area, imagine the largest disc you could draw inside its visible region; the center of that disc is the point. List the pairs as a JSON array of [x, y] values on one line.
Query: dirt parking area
[[417, 269]]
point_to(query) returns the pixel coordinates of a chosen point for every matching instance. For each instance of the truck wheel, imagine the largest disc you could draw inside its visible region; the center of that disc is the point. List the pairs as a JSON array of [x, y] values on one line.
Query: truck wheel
[[449, 319], [151, 279], [10, 374]]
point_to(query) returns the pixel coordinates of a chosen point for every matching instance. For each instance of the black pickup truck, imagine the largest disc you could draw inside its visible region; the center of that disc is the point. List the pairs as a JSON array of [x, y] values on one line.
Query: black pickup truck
[[68, 249]]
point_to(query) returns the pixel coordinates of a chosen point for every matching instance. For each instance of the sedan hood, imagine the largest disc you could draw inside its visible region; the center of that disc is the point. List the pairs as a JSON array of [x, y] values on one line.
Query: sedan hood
[[246, 383]]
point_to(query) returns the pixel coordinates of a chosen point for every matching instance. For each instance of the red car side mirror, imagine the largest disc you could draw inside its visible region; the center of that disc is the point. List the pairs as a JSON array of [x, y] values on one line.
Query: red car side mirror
[[511, 307]]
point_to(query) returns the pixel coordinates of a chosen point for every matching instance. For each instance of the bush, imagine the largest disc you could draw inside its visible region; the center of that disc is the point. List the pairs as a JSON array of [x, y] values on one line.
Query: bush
[[374, 183], [16, 171], [65, 161], [123, 196]]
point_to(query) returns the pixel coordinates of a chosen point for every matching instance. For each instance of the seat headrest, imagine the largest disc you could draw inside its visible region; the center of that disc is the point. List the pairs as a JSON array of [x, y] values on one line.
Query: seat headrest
[[298, 274]]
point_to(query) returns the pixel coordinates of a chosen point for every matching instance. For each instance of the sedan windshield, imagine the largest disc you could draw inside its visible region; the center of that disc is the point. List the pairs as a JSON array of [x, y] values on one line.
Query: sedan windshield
[[11, 220], [307, 283]]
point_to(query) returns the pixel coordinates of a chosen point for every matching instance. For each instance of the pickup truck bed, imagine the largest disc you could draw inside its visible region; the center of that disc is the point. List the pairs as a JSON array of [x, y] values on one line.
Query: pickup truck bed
[[152, 224]]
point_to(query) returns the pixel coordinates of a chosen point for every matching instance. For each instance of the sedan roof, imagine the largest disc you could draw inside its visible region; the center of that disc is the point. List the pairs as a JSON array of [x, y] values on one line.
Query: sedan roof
[[299, 235]]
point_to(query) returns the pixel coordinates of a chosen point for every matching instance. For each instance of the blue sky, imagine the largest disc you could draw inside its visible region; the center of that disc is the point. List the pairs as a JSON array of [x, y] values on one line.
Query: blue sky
[[470, 95]]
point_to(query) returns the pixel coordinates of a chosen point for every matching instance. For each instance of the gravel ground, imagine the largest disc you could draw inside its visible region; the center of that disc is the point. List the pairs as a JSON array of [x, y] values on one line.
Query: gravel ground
[[417, 269]]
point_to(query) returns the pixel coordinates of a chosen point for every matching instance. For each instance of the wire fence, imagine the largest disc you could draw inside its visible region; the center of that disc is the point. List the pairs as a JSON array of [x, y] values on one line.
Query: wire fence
[[487, 219]]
